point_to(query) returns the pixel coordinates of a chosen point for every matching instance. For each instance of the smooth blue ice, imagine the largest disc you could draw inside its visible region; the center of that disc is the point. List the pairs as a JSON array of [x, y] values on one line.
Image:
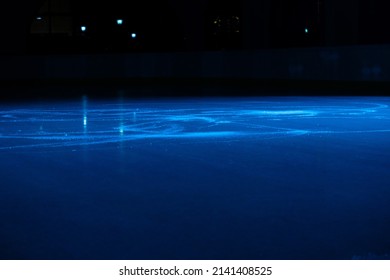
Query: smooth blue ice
[[266, 178]]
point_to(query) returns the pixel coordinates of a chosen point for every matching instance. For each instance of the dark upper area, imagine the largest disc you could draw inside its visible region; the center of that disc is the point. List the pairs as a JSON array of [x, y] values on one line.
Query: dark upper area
[[86, 26]]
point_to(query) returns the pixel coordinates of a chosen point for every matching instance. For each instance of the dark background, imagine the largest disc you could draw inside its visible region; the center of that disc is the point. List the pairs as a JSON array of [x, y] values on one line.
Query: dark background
[[320, 44], [175, 25]]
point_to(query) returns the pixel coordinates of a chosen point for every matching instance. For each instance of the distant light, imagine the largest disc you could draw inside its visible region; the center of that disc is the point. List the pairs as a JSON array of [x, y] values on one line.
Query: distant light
[[39, 18], [119, 21], [83, 28], [306, 30], [133, 35], [85, 121]]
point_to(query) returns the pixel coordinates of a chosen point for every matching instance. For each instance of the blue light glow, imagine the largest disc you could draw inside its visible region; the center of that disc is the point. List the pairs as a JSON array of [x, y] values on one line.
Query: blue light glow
[[306, 30], [312, 167], [119, 21], [133, 35], [263, 120], [83, 28]]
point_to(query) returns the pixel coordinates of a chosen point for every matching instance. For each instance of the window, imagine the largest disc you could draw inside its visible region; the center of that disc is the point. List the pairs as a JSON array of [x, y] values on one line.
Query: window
[[224, 25]]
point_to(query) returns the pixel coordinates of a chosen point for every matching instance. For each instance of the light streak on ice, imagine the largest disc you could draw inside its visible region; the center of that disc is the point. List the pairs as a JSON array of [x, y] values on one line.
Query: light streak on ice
[[30, 127]]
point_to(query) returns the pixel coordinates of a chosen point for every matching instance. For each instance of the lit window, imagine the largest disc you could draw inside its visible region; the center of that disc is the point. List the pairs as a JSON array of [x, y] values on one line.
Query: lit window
[[226, 24]]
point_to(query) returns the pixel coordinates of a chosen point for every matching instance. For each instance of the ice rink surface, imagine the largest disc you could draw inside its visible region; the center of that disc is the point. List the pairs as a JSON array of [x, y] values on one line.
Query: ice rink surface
[[243, 178]]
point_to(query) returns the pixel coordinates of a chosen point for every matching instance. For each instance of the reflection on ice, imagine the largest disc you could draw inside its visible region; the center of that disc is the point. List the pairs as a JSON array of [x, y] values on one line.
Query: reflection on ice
[[303, 113], [55, 127]]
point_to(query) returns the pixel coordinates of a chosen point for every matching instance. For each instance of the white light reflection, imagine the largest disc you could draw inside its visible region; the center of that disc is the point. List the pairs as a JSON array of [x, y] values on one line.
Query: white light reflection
[[85, 113], [121, 127]]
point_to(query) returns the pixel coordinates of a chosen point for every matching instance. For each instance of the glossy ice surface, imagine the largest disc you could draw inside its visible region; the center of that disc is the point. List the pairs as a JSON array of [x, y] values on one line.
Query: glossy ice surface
[[266, 178]]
